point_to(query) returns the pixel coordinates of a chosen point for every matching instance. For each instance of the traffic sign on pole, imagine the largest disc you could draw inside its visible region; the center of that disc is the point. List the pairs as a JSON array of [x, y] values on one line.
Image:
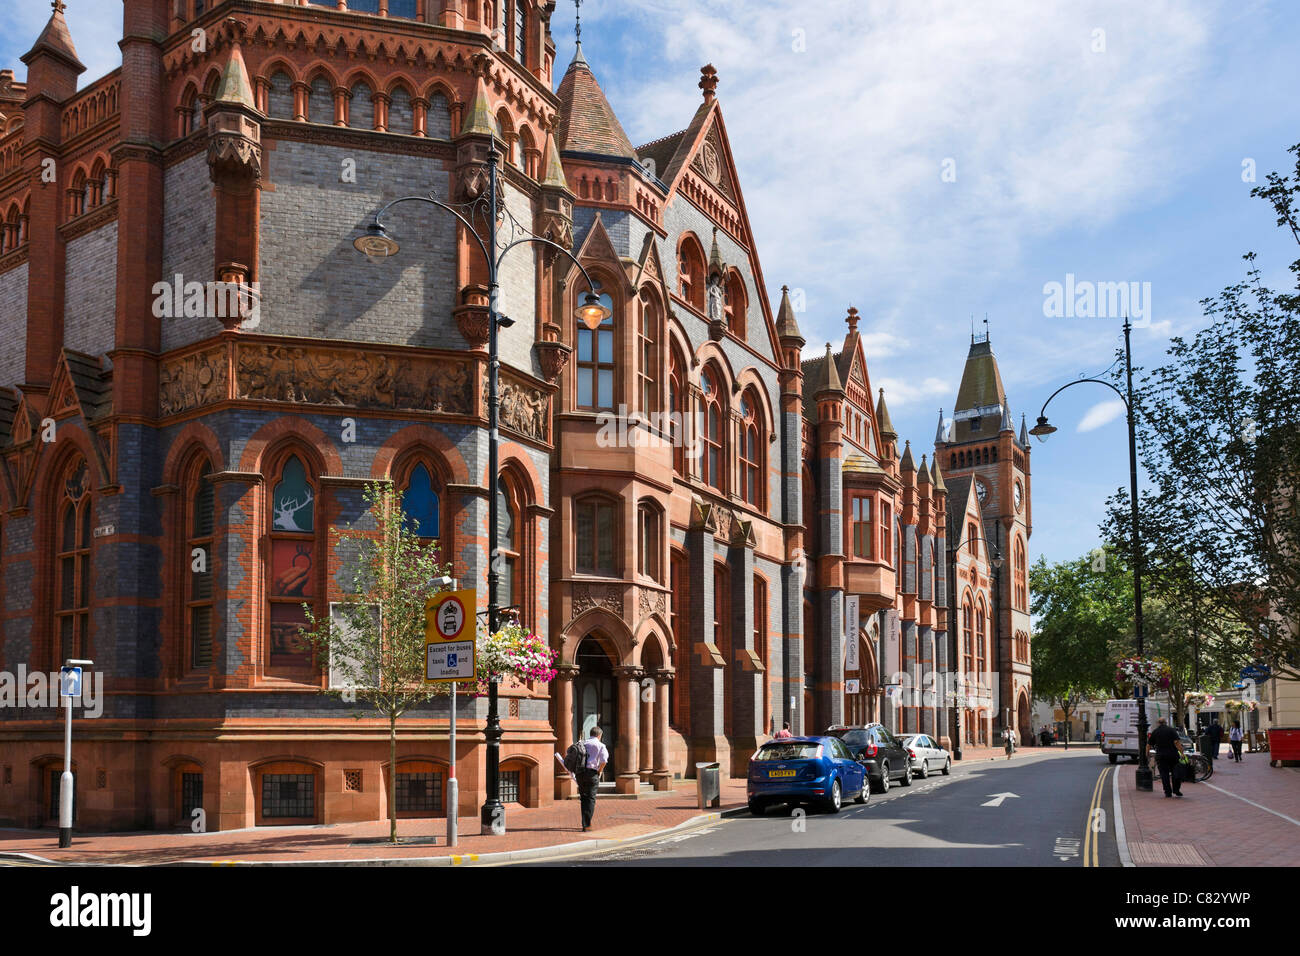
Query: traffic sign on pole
[[449, 636]]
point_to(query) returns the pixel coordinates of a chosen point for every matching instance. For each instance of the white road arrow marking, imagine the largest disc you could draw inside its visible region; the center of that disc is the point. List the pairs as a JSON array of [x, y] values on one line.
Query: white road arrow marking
[[998, 798]]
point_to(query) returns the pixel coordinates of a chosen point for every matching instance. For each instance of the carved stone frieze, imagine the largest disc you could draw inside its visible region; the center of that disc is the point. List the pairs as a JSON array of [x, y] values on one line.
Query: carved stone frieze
[[524, 409], [235, 153], [554, 357], [192, 381], [332, 376], [588, 596]]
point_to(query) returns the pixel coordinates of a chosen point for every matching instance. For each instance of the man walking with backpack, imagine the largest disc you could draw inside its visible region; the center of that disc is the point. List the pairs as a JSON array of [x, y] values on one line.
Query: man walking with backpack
[[585, 760]]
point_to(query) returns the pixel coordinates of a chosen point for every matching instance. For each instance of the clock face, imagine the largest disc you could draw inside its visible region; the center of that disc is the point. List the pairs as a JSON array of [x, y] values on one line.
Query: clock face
[[1020, 496], [981, 490]]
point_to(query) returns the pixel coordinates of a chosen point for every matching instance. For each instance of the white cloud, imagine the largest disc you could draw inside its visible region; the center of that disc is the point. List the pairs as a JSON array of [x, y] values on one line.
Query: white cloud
[[1103, 413], [900, 392]]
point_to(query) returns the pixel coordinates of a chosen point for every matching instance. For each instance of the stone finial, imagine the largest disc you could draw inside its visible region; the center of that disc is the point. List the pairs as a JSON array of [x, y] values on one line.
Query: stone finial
[[709, 82], [852, 319], [786, 326]]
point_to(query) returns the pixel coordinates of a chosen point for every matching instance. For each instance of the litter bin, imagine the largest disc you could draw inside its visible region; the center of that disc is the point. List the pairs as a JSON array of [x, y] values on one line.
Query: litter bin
[[1283, 744], [708, 784]]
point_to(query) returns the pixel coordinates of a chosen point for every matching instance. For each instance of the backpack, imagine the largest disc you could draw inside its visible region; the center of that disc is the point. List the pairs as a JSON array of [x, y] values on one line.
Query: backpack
[[575, 758]]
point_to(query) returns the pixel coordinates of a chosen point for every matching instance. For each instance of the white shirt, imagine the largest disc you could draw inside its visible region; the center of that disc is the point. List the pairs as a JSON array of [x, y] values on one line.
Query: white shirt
[[597, 752]]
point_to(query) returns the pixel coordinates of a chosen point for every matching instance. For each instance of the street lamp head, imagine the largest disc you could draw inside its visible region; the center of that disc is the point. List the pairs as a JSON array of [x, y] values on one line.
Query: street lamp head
[[376, 242], [997, 559], [1042, 429], [592, 312]]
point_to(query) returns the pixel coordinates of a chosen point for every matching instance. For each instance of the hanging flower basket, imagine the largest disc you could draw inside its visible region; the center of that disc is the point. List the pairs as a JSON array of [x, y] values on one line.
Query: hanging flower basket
[[1137, 670], [512, 653]]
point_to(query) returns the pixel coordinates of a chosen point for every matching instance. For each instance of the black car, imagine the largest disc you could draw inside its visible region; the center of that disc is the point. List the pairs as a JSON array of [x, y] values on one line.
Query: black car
[[883, 754]]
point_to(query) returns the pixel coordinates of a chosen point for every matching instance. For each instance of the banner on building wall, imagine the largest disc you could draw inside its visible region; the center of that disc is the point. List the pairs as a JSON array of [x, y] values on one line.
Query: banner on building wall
[[893, 634], [852, 619]]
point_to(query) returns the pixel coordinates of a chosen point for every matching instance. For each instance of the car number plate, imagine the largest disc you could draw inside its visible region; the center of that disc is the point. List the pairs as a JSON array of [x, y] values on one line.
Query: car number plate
[[780, 773]]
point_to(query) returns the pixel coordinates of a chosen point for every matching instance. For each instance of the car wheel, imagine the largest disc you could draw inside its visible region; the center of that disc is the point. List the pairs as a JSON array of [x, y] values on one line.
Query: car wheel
[[884, 778], [865, 792], [755, 808], [925, 769], [907, 775], [833, 804], [947, 766], [1114, 758]]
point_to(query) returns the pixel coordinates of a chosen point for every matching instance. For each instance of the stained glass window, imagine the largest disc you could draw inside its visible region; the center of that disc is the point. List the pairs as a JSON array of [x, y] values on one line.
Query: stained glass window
[[293, 500], [420, 503]]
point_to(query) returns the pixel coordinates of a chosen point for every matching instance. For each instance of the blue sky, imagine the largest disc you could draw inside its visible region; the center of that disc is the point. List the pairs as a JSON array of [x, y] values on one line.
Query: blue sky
[[1104, 140]]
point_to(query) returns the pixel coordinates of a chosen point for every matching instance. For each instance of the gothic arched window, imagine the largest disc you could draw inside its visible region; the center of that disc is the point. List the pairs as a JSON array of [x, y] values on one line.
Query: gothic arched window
[[690, 271], [967, 637], [508, 550], [421, 503], [648, 353], [199, 522], [714, 431], [677, 412], [72, 565], [733, 304], [597, 366], [1021, 588], [981, 633], [293, 574], [751, 451]]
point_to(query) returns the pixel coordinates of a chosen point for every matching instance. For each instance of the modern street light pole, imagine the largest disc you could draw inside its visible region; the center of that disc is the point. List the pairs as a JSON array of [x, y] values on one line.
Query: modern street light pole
[[1041, 431], [995, 559], [376, 243]]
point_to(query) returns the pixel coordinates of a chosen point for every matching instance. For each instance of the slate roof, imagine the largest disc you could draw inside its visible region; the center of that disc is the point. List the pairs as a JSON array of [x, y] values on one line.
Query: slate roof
[[56, 39], [88, 379], [981, 387], [587, 123]]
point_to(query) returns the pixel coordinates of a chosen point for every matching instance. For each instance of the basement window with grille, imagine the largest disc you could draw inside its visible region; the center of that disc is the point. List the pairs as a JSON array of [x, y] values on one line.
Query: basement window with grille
[[418, 792], [510, 786], [289, 795]]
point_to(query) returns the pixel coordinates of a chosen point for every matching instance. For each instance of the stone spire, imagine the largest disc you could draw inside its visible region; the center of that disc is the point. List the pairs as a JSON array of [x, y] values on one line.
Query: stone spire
[[923, 476], [940, 431], [717, 268], [479, 122], [552, 169], [1024, 431], [1006, 425], [235, 87], [883, 424], [907, 463], [831, 380], [939, 487], [786, 326], [56, 40]]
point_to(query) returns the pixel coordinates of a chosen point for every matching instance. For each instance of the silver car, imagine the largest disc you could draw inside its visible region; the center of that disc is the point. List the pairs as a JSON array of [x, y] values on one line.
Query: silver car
[[927, 755]]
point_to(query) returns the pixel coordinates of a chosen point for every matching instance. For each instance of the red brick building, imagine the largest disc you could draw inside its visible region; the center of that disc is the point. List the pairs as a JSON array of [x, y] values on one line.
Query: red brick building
[[658, 472]]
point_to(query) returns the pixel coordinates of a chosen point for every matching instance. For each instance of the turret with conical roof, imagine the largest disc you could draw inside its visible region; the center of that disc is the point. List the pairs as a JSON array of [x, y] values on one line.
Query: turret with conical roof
[[940, 432], [479, 122], [830, 383], [981, 399], [587, 123], [907, 463], [1024, 433], [883, 424], [939, 487]]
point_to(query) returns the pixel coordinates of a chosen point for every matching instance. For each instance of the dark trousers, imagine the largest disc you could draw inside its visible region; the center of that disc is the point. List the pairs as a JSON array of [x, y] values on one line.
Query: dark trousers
[[588, 783], [1167, 764], [1236, 750]]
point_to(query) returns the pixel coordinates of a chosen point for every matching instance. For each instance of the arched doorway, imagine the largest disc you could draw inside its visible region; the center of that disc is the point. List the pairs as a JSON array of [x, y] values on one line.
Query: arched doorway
[[594, 703], [1023, 727]]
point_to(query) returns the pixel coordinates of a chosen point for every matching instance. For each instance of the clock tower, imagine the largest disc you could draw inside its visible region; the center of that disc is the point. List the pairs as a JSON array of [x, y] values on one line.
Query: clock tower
[[980, 442]]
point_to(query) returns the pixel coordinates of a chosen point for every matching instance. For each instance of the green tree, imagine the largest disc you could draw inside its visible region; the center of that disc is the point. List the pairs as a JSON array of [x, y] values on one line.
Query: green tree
[[374, 644], [1083, 612], [1219, 442]]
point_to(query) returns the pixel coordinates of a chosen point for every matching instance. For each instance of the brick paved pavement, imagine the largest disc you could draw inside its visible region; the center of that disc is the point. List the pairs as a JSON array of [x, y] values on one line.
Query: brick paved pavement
[[1212, 825], [616, 819]]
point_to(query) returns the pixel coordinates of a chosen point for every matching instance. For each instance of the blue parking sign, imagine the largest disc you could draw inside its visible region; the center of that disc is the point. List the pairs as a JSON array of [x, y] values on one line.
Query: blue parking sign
[[452, 660], [70, 682]]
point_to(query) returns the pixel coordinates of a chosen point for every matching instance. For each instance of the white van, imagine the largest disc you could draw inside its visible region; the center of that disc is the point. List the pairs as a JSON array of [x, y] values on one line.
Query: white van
[[1119, 725], [1119, 730]]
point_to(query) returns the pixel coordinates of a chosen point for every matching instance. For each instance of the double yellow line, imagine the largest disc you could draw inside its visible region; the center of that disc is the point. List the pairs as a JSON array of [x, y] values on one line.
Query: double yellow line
[[1091, 839]]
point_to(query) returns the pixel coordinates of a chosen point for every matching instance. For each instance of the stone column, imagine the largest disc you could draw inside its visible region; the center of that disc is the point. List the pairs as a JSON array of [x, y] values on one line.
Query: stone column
[[746, 675], [564, 784], [662, 777], [707, 672], [647, 693], [628, 681]]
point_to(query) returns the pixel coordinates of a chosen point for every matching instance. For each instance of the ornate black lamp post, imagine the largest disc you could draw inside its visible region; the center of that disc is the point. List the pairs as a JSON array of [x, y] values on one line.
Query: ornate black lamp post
[[377, 243], [995, 559], [1041, 431]]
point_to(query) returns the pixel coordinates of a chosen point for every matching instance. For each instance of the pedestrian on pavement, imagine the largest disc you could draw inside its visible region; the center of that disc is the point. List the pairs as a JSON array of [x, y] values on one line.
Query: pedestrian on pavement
[[1166, 744], [1215, 733], [784, 732], [1009, 741], [589, 776], [1234, 738]]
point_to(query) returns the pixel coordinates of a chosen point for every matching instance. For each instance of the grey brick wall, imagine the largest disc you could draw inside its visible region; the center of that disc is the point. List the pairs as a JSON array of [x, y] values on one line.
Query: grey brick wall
[[280, 97], [320, 102], [314, 283], [518, 294], [361, 108], [401, 115], [13, 326], [89, 291], [189, 238], [438, 123]]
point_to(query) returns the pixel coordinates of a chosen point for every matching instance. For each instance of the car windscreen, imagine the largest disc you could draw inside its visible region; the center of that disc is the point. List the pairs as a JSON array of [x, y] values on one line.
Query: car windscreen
[[856, 738], [786, 751]]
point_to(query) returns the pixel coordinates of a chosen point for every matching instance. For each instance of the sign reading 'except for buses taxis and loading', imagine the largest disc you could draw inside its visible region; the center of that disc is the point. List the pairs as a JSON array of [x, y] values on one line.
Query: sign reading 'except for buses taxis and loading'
[[449, 636]]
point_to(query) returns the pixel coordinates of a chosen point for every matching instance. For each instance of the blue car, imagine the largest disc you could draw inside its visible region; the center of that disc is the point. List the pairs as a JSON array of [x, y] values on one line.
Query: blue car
[[813, 770]]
